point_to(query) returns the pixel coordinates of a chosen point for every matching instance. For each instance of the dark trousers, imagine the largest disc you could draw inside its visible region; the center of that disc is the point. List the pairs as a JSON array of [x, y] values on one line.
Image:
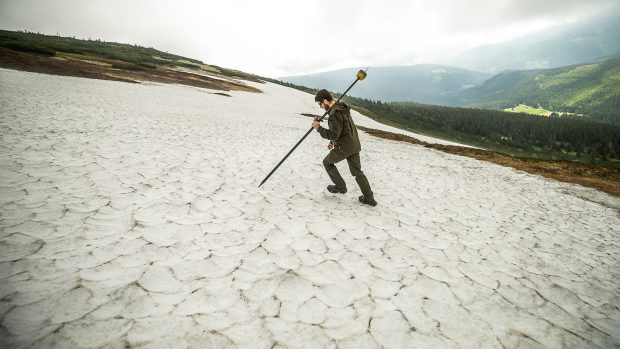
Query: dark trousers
[[355, 166]]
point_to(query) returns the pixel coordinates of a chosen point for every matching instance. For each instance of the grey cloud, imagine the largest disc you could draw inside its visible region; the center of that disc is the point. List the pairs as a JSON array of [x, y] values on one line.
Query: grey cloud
[[395, 32], [486, 14]]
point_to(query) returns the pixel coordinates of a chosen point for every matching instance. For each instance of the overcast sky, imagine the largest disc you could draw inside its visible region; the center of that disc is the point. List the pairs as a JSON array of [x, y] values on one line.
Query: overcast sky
[[276, 38]]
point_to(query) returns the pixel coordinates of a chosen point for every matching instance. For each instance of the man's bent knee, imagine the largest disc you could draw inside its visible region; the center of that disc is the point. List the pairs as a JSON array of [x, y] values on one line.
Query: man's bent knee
[[357, 173], [327, 163]]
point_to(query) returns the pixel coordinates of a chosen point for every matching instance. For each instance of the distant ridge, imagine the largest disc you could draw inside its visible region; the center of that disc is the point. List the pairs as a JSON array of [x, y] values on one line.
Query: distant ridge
[[426, 83]]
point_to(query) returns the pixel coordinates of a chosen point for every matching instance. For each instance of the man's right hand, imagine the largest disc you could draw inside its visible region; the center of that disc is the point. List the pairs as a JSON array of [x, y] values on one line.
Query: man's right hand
[[330, 146]]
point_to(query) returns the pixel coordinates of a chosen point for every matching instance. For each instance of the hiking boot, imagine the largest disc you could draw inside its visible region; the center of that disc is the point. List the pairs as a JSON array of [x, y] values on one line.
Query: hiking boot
[[334, 189], [368, 200]]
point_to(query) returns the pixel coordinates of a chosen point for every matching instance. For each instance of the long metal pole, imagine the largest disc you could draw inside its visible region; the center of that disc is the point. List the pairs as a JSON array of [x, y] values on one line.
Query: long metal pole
[[361, 75]]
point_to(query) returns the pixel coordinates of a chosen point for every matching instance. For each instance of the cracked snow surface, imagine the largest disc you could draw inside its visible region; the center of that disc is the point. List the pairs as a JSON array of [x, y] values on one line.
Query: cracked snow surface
[[130, 217]]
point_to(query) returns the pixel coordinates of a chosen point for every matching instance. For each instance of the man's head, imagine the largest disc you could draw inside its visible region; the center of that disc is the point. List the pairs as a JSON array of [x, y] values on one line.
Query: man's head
[[324, 98]]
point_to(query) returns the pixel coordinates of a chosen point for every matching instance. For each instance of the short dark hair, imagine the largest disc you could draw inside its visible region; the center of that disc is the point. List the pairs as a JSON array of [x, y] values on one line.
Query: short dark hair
[[323, 94]]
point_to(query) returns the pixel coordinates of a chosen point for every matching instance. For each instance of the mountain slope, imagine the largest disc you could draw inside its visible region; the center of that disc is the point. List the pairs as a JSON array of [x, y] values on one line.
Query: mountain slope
[[112, 61], [425, 83], [590, 89], [131, 217]]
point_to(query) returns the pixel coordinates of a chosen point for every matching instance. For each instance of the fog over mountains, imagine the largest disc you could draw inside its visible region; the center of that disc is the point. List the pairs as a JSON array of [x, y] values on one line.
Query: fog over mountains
[[433, 84], [594, 40]]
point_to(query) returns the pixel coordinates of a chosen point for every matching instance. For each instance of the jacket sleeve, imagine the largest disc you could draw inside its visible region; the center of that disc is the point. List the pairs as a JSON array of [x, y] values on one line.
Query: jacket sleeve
[[335, 127]]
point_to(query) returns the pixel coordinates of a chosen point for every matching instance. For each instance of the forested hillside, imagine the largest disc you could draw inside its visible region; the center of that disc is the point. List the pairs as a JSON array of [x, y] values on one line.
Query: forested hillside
[[592, 90]]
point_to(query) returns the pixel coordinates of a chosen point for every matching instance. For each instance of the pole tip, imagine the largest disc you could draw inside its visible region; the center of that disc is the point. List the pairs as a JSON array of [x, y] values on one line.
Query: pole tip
[[361, 75]]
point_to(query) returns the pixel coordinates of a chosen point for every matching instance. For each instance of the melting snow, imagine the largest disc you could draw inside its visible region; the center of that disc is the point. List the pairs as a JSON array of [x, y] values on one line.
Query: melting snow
[[130, 216]]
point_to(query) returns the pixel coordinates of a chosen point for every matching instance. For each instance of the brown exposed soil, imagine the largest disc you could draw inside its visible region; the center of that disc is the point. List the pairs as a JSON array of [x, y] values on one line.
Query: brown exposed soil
[[73, 67], [602, 178]]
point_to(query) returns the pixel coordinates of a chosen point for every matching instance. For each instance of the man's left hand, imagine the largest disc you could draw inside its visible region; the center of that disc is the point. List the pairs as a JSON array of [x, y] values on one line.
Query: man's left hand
[[315, 125]]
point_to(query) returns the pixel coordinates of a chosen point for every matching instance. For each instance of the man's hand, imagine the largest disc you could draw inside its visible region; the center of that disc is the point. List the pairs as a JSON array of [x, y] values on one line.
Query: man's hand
[[330, 146], [315, 125]]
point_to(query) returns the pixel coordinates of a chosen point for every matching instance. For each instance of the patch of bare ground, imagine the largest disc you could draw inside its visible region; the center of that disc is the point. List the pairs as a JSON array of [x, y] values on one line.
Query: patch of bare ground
[[606, 179], [38, 63]]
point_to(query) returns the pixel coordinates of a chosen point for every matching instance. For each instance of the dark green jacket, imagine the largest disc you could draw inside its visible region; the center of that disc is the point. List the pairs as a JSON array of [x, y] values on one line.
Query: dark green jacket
[[342, 131]]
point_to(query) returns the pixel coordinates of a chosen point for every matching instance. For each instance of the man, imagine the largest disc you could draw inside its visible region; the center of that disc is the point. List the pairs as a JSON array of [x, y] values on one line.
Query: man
[[344, 144]]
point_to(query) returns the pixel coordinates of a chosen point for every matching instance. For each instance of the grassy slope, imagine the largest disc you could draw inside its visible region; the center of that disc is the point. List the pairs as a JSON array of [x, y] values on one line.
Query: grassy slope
[[522, 108], [590, 89], [49, 44], [117, 55]]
